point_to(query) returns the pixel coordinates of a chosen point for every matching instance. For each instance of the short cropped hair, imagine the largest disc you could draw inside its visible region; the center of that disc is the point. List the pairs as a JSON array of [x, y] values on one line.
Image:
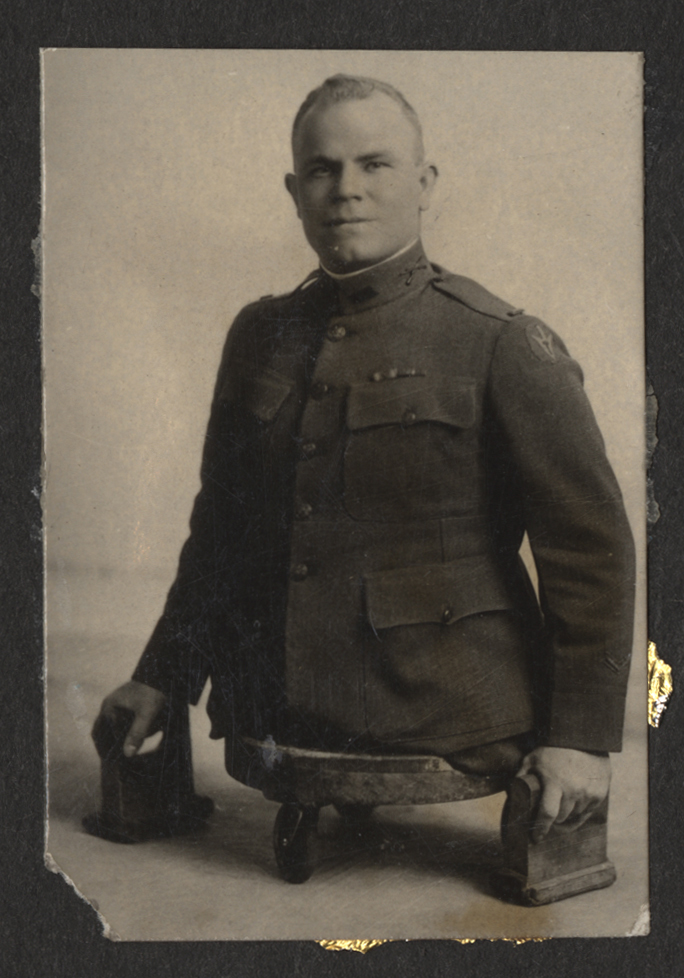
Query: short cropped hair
[[342, 88]]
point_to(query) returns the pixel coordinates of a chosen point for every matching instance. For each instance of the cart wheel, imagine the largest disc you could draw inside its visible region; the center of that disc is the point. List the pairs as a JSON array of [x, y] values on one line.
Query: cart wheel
[[293, 836]]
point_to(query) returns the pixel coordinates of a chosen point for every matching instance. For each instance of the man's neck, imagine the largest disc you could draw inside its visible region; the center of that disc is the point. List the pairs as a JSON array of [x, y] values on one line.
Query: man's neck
[[345, 276], [394, 277]]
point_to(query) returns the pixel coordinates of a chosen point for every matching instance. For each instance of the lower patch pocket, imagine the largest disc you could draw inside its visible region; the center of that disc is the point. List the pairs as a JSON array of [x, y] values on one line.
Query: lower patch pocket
[[435, 593]]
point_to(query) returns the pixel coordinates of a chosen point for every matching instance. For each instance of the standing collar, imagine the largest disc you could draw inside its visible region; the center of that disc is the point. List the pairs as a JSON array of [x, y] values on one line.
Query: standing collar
[[346, 276], [390, 279]]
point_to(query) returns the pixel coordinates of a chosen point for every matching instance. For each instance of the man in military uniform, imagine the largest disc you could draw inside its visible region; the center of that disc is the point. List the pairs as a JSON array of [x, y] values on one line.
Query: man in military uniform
[[380, 440]]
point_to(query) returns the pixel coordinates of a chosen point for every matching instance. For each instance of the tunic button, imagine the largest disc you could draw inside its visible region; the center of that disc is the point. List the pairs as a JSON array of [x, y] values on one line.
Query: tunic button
[[448, 615], [410, 416], [304, 511], [319, 390], [298, 572], [308, 448], [337, 332], [392, 373], [376, 376]]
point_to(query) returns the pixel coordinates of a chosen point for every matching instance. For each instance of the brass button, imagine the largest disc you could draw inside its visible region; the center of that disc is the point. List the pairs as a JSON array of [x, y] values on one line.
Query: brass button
[[448, 615], [377, 376], [410, 416], [337, 332], [304, 510], [319, 390], [392, 373], [308, 448], [298, 572]]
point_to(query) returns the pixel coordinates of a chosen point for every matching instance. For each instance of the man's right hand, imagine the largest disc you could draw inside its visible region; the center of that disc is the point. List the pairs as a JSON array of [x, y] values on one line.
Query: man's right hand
[[144, 702]]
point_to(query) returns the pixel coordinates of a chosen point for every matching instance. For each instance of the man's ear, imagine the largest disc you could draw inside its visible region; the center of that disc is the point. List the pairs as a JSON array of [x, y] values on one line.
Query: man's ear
[[291, 185], [428, 179]]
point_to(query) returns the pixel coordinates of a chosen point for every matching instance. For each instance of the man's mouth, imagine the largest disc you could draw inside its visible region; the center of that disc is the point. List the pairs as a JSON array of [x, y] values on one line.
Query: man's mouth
[[337, 222]]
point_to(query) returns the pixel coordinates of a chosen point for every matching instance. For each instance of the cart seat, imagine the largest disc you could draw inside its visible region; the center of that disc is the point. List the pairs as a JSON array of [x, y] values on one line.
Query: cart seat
[[317, 778]]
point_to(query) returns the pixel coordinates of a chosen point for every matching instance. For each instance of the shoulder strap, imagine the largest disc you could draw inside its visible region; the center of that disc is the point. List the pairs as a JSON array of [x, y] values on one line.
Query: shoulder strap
[[472, 295], [310, 279]]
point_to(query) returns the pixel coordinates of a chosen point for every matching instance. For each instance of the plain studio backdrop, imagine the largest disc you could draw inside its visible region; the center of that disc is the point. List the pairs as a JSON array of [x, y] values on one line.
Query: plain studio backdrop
[[164, 213]]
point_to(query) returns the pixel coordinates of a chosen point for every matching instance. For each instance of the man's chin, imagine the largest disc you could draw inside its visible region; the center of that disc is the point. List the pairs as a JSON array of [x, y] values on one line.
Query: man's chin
[[343, 260]]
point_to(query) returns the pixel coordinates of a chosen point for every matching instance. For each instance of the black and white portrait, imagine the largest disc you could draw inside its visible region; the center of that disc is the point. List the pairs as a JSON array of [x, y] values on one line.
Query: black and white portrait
[[371, 324]]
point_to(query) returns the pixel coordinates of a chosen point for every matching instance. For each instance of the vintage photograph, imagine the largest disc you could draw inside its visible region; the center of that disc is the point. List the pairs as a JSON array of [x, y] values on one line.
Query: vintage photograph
[[345, 492]]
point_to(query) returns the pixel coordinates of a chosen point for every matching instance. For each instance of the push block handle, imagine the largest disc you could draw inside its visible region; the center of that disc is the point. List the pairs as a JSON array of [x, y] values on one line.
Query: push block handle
[[150, 795], [568, 861]]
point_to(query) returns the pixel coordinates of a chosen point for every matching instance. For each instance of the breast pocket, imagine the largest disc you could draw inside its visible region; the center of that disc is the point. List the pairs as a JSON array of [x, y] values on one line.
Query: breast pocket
[[412, 449]]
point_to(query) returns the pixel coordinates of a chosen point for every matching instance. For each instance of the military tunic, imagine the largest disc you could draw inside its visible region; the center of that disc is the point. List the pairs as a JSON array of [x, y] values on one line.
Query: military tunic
[[377, 448]]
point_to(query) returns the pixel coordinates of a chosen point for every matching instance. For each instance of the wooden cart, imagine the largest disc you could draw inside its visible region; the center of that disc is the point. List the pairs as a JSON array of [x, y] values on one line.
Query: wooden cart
[[152, 796]]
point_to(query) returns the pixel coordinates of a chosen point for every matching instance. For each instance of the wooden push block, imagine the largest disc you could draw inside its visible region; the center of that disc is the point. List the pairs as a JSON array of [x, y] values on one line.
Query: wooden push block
[[150, 795], [568, 861]]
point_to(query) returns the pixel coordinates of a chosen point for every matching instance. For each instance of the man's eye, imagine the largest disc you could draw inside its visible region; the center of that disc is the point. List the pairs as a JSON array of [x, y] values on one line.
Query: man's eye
[[375, 164], [319, 171]]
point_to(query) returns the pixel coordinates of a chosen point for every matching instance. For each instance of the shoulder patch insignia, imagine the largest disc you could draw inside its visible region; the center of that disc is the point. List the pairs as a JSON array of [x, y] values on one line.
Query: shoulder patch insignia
[[541, 342]]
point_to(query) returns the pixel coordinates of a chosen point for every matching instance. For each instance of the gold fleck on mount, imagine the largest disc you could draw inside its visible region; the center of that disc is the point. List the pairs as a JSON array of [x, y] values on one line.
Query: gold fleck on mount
[[659, 685], [361, 946], [364, 946]]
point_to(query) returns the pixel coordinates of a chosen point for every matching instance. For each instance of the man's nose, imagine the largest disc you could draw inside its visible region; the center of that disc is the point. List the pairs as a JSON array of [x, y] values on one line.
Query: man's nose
[[348, 184]]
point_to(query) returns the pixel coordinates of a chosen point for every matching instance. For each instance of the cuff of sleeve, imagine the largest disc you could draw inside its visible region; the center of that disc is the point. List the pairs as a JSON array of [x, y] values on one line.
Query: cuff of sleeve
[[170, 664], [149, 672], [172, 670], [590, 719]]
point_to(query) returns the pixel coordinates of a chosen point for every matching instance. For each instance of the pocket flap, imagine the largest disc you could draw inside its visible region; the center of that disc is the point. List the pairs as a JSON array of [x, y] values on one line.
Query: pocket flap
[[263, 394], [440, 593], [409, 400]]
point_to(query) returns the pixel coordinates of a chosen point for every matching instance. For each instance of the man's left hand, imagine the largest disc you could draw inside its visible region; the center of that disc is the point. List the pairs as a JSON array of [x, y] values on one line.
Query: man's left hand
[[573, 782]]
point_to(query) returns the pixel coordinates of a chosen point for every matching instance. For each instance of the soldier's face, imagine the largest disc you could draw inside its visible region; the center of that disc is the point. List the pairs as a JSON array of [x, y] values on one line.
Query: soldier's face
[[359, 184]]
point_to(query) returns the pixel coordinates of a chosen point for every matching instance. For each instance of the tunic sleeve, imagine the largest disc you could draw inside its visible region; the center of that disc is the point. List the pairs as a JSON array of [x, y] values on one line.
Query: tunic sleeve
[[179, 653], [578, 532]]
